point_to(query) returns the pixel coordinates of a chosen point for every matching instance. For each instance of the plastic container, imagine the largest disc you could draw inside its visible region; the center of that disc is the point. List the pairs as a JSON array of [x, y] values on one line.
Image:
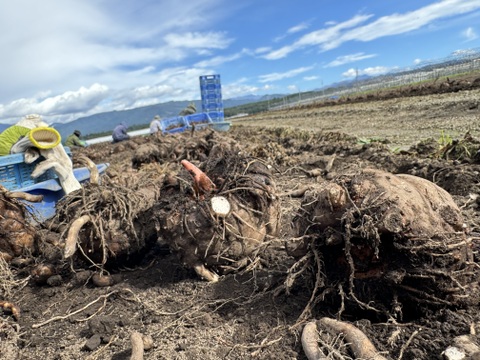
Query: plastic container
[[16, 174], [218, 122], [210, 79], [216, 116], [210, 87], [208, 96], [211, 92], [52, 192], [212, 107], [221, 126], [198, 118], [214, 92], [174, 125]]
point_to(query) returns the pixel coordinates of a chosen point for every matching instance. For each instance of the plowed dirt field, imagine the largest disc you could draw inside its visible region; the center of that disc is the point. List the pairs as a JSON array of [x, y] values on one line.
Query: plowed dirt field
[[432, 132]]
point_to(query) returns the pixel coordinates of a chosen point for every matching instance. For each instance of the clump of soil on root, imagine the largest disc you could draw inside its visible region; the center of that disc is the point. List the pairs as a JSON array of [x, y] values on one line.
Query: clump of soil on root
[[16, 233], [106, 222], [391, 245], [176, 147], [221, 243]]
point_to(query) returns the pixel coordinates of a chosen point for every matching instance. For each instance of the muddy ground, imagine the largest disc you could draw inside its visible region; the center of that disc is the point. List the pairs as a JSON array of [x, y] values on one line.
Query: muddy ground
[[246, 315]]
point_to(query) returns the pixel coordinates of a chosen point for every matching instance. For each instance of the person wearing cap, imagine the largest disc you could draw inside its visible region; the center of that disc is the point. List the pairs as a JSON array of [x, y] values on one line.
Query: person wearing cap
[[30, 131], [155, 125], [120, 132], [73, 140]]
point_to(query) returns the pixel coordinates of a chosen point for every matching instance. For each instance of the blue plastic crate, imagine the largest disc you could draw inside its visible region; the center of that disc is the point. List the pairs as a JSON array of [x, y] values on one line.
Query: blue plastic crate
[[173, 125], [216, 116], [215, 92], [196, 119], [212, 107], [52, 192], [212, 96], [210, 87], [210, 79], [213, 104], [16, 174], [218, 122]]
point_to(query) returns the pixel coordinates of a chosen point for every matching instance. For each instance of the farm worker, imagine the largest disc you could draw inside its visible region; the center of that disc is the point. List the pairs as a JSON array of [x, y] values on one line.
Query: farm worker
[[74, 140], [155, 125], [120, 132], [32, 136]]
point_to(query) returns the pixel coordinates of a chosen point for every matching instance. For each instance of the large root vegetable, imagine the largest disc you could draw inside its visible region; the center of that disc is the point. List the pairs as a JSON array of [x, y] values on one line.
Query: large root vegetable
[[391, 240], [221, 226], [17, 236], [107, 221]]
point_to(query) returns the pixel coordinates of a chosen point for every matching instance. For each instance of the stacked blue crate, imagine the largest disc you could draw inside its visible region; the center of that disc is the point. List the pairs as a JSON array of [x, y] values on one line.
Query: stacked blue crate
[[211, 92]]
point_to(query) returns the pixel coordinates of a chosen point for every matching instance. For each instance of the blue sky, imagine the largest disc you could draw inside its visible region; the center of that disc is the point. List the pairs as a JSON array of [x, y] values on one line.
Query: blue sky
[[65, 59]]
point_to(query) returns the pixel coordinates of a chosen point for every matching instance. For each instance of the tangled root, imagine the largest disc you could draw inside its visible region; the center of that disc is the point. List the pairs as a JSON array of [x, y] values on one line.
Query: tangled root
[[90, 165], [102, 220], [391, 241], [71, 242], [358, 342], [212, 241]]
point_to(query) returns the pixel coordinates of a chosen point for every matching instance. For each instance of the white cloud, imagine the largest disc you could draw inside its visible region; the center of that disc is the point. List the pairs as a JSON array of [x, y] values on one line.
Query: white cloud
[[333, 35], [195, 40], [292, 88], [376, 70], [219, 60], [318, 37], [463, 52], [280, 53], [293, 30], [92, 56], [284, 75], [469, 34], [350, 73], [79, 101], [262, 49], [403, 23], [346, 59], [239, 88], [99, 98], [82, 43], [297, 28], [371, 71]]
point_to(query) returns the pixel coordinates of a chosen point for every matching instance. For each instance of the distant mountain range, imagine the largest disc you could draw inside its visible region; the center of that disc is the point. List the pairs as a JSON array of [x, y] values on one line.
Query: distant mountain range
[[344, 83], [106, 121]]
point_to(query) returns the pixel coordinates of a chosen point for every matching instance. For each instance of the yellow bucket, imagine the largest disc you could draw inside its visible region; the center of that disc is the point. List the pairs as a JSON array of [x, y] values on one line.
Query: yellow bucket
[[44, 137]]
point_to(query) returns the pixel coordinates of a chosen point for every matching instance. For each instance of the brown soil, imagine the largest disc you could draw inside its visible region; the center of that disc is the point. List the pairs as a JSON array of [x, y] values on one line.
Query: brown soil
[[246, 315]]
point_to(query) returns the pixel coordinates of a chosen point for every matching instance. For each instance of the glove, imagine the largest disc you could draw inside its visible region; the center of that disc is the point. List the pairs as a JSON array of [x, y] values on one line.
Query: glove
[[58, 160]]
